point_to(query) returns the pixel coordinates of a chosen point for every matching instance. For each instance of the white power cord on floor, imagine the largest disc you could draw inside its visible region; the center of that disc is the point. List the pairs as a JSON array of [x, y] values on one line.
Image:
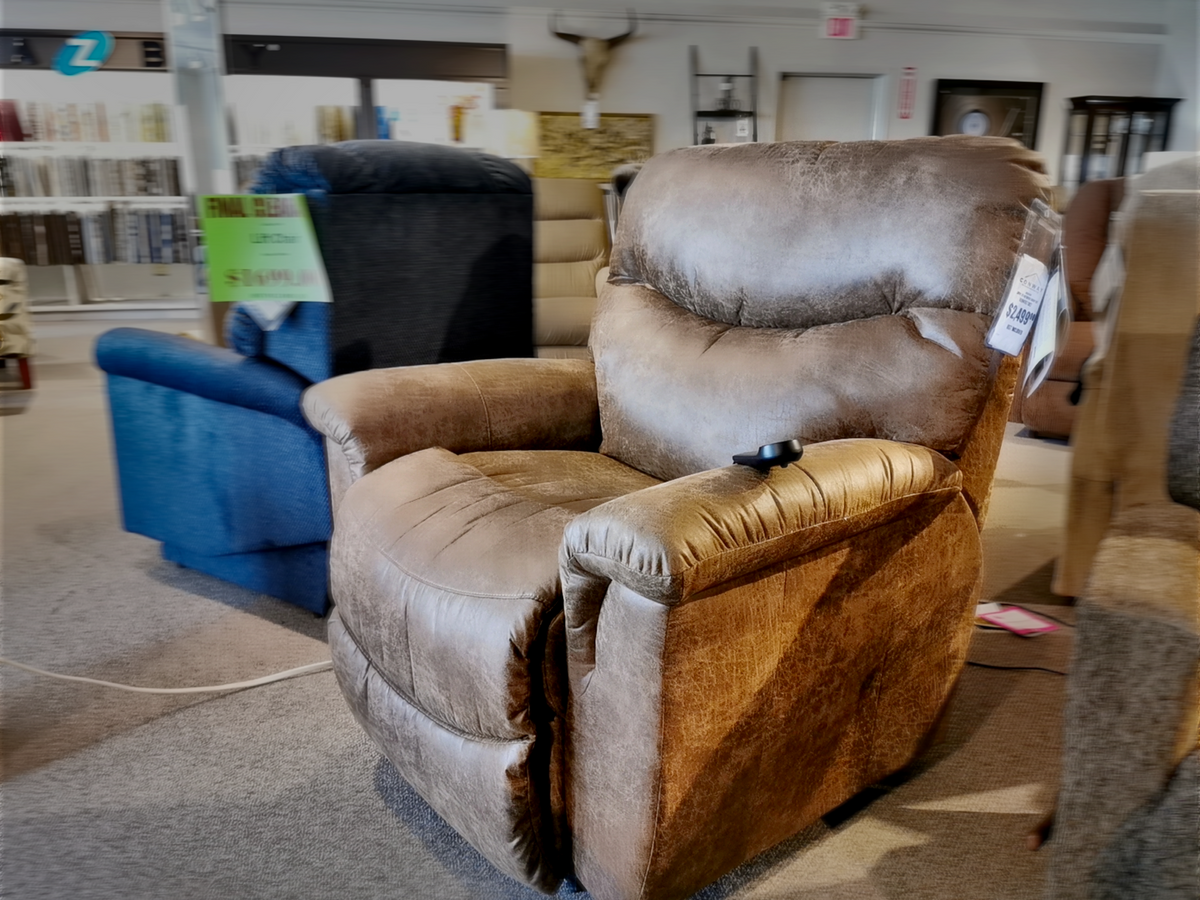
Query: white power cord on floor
[[235, 686]]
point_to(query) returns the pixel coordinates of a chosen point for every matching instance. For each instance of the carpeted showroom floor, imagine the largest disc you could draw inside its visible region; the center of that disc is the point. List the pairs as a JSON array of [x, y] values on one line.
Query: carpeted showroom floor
[[276, 793]]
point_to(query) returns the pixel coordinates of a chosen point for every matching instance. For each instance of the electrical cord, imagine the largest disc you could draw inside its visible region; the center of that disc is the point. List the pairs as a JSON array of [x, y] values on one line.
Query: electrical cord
[[235, 686], [1016, 668]]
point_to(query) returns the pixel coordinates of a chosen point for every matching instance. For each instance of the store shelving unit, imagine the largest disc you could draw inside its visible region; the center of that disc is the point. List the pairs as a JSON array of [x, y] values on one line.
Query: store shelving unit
[[281, 90], [100, 223], [724, 106]]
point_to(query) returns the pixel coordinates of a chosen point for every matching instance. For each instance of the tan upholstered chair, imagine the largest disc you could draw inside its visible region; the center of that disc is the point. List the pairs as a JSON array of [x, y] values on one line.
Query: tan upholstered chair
[[570, 246], [1126, 823], [1120, 437], [595, 646], [16, 323]]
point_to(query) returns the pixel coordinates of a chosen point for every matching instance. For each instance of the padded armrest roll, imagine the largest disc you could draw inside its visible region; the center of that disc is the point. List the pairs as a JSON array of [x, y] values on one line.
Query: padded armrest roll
[[379, 415], [674, 540], [242, 334], [201, 369]]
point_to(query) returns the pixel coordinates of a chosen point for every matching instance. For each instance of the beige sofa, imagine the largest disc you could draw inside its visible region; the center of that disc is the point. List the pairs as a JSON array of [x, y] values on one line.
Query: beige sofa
[[570, 245]]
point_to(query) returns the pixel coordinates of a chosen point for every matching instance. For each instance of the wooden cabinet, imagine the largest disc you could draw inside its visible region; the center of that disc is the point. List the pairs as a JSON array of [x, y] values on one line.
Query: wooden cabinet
[[1107, 136]]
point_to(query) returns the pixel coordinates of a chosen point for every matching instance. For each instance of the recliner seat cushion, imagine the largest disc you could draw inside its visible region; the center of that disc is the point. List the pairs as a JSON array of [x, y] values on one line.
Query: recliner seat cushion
[[431, 630], [445, 661]]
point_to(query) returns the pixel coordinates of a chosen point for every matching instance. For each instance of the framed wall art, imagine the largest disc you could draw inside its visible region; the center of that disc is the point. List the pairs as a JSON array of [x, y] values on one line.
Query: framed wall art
[[568, 150], [999, 108]]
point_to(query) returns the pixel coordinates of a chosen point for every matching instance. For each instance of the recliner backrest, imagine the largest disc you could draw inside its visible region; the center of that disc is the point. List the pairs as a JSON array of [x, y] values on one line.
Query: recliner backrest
[[570, 246], [811, 289], [429, 252]]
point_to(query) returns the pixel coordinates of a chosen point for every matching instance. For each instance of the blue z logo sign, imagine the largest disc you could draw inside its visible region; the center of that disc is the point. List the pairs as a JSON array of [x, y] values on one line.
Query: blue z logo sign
[[84, 53]]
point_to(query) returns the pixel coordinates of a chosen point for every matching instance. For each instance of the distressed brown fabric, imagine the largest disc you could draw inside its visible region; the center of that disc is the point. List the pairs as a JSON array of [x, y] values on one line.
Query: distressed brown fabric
[[977, 458], [495, 793], [681, 537], [919, 376], [378, 415], [403, 572], [788, 300], [659, 680], [710, 730], [444, 660], [797, 234]]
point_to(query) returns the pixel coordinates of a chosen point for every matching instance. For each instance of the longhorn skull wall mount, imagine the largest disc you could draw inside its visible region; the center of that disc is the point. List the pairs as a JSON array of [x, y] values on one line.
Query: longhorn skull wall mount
[[594, 53]]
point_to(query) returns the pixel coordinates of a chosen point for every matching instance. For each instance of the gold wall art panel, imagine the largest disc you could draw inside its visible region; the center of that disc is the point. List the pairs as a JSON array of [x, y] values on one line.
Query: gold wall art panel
[[568, 150]]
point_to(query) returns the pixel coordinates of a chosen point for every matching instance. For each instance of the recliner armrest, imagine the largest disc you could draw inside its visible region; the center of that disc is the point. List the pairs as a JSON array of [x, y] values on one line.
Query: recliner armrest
[[673, 541], [201, 369], [379, 415]]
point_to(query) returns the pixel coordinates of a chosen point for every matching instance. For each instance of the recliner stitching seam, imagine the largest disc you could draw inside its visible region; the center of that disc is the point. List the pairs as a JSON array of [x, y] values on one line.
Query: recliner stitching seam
[[487, 418], [453, 729], [434, 584]]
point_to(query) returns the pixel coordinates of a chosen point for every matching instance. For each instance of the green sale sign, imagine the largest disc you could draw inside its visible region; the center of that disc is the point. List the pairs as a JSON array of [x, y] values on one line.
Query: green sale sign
[[261, 247]]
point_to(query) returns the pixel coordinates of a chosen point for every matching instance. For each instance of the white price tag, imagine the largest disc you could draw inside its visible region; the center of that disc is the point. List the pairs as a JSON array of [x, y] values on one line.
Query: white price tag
[[1019, 309], [590, 115], [1050, 332]]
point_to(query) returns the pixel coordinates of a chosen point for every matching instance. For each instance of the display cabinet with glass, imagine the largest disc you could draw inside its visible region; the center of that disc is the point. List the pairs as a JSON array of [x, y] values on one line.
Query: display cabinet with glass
[[1108, 136]]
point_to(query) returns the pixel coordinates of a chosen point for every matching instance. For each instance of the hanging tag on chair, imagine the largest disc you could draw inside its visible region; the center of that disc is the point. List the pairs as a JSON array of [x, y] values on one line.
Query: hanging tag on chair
[[1026, 288], [1050, 331]]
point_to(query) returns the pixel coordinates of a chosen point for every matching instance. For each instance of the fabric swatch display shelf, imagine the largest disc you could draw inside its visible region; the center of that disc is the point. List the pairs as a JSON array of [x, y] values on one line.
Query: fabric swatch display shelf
[[100, 224]]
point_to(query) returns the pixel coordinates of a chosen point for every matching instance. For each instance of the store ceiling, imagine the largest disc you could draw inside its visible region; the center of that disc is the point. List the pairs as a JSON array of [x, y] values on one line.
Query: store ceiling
[[1124, 17]]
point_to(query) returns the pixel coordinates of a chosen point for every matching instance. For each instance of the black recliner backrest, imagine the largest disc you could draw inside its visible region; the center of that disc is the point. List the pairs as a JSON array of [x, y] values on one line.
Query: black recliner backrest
[[429, 252]]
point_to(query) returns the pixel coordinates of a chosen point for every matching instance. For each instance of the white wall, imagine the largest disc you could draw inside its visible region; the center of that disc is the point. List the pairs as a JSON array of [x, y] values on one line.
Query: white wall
[[1179, 74], [1123, 47], [649, 73]]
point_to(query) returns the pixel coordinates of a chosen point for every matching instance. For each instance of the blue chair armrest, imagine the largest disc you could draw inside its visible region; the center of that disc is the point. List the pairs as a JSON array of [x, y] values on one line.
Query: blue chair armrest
[[204, 370], [242, 333]]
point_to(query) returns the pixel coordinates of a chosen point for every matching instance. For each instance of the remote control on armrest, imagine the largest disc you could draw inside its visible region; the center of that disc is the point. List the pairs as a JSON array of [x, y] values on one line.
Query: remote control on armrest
[[769, 455]]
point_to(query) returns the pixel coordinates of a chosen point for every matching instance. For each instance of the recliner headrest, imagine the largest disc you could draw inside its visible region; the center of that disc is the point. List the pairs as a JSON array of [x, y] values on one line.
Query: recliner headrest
[[798, 234]]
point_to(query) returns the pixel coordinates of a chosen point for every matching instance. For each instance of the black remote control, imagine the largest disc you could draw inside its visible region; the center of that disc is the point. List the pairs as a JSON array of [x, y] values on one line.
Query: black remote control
[[769, 455]]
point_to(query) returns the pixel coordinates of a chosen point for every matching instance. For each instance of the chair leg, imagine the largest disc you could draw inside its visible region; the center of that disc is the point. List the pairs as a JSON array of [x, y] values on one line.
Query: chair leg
[[26, 372]]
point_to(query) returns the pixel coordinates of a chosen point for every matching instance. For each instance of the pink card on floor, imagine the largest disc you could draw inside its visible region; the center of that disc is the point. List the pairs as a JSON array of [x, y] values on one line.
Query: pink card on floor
[[1019, 621]]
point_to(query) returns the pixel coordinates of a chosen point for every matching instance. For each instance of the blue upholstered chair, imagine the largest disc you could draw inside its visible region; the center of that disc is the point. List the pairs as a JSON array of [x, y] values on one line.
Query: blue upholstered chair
[[429, 256]]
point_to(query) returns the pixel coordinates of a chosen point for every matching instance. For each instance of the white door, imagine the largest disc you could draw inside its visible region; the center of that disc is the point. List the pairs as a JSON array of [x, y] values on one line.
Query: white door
[[830, 108]]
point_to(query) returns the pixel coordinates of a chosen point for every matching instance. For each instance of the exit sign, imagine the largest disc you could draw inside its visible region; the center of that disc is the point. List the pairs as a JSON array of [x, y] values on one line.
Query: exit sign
[[841, 21]]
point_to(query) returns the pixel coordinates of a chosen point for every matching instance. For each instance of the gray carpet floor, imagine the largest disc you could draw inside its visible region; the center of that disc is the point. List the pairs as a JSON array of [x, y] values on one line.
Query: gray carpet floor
[[276, 793]]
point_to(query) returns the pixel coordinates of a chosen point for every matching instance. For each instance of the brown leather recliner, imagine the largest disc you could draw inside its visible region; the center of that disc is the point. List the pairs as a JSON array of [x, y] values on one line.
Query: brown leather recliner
[[592, 644]]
